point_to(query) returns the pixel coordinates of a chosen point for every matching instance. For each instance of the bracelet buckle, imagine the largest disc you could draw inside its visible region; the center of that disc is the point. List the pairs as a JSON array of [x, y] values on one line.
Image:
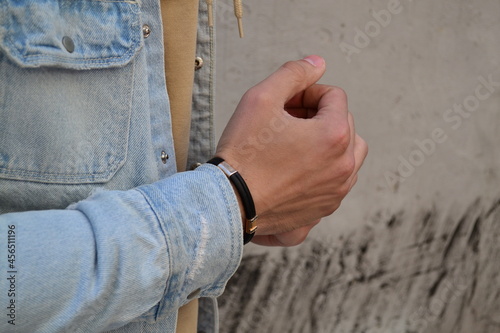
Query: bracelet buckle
[[245, 196], [250, 226]]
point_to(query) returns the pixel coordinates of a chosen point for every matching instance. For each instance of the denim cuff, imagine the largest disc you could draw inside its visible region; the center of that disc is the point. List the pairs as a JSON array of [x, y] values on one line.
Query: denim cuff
[[200, 217]]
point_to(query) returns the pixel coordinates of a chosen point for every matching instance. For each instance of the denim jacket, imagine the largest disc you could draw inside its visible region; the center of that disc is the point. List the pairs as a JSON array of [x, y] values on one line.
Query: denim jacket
[[98, 230]]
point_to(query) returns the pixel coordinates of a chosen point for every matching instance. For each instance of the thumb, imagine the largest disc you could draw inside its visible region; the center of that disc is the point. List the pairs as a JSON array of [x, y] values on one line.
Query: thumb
[[293, 77]]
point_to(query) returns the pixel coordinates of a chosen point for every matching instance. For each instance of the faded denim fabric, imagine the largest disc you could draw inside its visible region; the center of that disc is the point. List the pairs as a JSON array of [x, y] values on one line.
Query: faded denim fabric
[[91, 122], [201, 143]]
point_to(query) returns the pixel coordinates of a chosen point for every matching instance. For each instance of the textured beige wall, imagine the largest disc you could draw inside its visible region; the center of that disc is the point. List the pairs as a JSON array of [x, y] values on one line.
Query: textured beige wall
[[411, 77]]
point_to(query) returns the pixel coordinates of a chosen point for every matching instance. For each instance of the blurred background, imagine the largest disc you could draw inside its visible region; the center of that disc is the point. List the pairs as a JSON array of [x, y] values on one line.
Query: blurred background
[[415, 246]]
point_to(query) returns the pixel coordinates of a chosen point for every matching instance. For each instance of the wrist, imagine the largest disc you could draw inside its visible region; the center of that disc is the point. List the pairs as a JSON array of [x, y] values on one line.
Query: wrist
[[245, 197], [240, 204]]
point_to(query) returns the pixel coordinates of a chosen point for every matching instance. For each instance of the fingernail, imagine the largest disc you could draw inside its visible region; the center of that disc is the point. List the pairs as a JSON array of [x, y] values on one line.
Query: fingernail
[[315, 60]]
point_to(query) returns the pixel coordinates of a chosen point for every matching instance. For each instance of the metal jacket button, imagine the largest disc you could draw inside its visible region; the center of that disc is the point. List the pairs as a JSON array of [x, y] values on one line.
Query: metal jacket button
[[164, 157], [68, 44], [146, 30], [198, 63], [195, 165]]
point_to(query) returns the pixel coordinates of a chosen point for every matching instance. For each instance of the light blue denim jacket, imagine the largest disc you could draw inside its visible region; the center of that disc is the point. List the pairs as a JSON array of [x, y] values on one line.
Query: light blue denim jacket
[[97, 231]]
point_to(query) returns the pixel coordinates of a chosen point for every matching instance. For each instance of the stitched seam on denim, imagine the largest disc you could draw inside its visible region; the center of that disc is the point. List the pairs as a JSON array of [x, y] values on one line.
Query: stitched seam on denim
[[233, 236], [30, 59], [167, 242], [133, 2], [53, 174], [58, 177], [211, 91], [221, 185]]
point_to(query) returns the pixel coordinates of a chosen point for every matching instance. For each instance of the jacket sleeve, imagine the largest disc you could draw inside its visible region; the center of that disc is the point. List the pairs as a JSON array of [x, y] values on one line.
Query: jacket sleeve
[[120, 256]]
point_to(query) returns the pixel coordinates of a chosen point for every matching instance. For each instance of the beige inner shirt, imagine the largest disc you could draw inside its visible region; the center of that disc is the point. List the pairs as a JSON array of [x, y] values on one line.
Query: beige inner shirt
[[180, 18]]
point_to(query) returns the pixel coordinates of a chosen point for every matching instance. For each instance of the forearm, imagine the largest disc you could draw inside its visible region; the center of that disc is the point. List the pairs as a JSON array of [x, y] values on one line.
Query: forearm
[[124, 255]]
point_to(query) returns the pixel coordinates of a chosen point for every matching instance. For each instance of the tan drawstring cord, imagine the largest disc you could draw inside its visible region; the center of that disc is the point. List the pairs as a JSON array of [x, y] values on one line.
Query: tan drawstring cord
[[210, 14], [238, 12]]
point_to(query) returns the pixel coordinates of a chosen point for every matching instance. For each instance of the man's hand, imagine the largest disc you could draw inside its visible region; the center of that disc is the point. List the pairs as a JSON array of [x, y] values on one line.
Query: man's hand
[[295, 144]]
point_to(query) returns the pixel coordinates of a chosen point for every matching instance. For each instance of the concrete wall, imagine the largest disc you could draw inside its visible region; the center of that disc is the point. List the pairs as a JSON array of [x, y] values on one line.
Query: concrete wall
[[415, 246]]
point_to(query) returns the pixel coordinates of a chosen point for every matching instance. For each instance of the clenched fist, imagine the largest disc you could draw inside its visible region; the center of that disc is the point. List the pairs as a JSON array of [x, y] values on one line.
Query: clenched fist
[[294, 143]]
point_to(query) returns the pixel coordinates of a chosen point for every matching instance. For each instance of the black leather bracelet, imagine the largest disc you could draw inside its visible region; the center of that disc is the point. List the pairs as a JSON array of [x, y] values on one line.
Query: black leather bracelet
[[245, 196]]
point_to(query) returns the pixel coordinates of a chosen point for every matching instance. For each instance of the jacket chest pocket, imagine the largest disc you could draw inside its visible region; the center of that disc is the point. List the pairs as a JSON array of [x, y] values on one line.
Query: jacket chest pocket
[[66, 83]]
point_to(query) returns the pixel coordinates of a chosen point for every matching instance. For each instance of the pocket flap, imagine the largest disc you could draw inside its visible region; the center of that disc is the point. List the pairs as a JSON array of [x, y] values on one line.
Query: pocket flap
[[73, 34]]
